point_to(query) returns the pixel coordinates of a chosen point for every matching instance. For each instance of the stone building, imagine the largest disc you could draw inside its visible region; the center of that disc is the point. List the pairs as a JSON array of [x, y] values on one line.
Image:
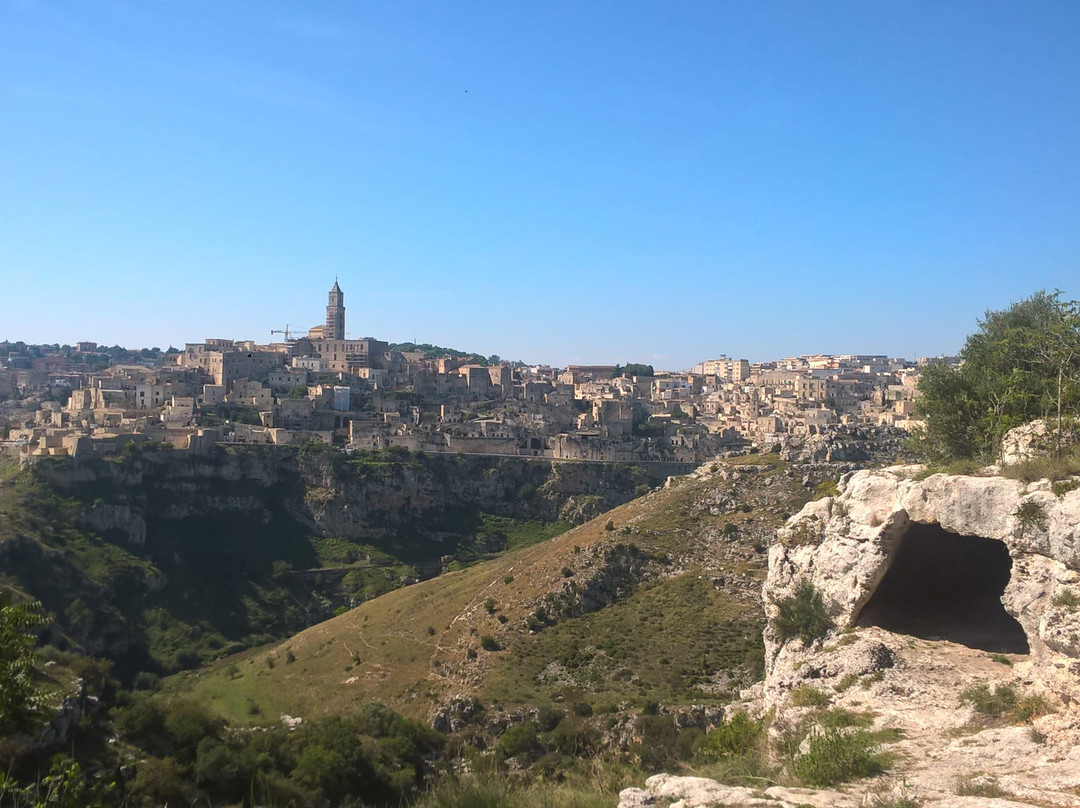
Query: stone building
[[335, 314]]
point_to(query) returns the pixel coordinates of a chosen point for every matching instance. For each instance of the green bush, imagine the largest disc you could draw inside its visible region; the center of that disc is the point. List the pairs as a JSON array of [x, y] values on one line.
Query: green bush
[[226, 771], [1028, 708], [996, 702], [828, 488], [802, 615], [1066, 599], [658, 741], [688, 743], [836, 756], [549, 717], [1003, 702], [1031, 514], [738, 735], [809, 696], [187, 723], [489, 643], [1063, 487], [161, 781], [520, 739], [568, 739]]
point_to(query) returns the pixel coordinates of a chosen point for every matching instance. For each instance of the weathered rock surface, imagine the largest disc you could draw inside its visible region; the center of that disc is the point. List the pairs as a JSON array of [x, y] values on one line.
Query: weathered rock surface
[[845, 545], [673, 791], [844, 444], [910, 684], [1030, 440], [911, 681]]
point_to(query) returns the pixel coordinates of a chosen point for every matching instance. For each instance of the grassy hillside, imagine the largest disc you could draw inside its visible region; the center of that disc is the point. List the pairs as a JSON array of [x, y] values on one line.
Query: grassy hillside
[[565, 659], [657, 600]]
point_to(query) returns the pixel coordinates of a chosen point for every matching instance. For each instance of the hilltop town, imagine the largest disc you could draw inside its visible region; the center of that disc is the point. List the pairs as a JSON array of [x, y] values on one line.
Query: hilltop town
[[367, 394]]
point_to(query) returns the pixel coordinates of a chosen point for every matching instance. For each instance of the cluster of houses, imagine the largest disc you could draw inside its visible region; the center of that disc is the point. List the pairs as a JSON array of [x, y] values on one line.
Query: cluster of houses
[[363, 394]]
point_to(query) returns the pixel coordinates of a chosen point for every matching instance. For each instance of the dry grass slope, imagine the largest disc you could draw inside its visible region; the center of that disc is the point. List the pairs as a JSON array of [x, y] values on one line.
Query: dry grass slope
[[422, 646]]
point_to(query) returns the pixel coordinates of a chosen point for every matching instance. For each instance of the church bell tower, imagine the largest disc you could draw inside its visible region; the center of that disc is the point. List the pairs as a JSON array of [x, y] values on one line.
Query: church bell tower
[[335, 314]]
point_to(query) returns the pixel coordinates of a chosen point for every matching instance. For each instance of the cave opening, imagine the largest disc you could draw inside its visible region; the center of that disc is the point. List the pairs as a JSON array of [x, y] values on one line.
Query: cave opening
[[946, 586]]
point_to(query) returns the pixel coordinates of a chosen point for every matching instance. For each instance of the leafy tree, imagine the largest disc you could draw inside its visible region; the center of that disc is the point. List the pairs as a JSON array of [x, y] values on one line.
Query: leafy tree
[[161, 781], [19, 697], [65, 786], [1022, 364]]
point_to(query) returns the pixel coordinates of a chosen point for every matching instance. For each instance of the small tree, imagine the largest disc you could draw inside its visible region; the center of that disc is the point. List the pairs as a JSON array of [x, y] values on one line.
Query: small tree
[[1058, 348], [19, 697], [1022, 364]]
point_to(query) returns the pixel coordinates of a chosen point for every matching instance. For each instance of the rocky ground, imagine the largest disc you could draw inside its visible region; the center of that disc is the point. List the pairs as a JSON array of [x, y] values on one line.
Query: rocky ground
[[948, 754]]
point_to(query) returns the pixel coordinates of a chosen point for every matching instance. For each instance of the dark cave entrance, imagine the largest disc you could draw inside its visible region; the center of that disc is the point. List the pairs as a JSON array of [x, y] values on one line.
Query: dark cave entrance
[[945, 586]]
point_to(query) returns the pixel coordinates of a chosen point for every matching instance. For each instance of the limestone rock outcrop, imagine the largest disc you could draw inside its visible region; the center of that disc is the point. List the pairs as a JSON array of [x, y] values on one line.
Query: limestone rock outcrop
[[1033, 439], [937, 590], [700, 792], [845, 545], [1023, 442]]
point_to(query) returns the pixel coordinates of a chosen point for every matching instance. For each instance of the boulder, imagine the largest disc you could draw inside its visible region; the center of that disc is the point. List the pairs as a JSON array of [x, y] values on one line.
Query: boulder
[[1023, 442]]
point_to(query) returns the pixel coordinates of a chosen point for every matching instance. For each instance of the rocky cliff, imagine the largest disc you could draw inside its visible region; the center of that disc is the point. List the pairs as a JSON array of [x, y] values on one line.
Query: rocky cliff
[[922, 648], [955, 604], [941, 554], [161, 558]]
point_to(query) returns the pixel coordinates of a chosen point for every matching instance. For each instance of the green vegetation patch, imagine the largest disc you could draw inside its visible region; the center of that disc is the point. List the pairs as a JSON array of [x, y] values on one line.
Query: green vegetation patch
[[664, 643], [802, 615], [1003, 702], [836, 756], [1066, 599], [1049, 467], [514, 533]]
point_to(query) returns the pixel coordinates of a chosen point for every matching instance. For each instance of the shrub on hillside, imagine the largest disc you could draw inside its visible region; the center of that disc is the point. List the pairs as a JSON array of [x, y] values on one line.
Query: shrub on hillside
[[738, 735], [996, 702], [802, 615], [520, 740], [836, 756]]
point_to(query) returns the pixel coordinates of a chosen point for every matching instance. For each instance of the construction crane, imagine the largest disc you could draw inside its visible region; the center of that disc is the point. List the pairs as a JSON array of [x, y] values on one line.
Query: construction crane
[[288, 334]]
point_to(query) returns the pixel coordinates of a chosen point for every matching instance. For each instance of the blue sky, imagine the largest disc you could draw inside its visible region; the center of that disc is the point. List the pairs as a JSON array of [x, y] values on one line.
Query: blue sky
[[560, 182]]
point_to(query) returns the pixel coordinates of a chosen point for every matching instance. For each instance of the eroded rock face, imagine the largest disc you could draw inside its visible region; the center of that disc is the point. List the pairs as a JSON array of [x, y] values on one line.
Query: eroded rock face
[[699, 792], [928, 576], [845, 545]]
